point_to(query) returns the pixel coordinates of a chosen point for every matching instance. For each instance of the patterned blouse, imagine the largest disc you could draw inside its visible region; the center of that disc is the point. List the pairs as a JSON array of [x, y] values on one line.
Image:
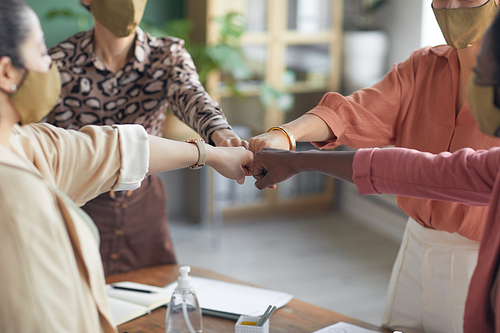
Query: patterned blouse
[[161, 74]]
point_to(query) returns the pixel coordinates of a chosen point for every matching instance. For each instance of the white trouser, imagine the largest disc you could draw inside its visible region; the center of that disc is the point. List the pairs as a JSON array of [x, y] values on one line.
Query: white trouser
[[429, 281]]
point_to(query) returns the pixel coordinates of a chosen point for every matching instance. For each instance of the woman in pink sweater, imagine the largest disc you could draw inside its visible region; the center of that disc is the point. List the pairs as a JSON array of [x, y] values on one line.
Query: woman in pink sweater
[[466, 176]]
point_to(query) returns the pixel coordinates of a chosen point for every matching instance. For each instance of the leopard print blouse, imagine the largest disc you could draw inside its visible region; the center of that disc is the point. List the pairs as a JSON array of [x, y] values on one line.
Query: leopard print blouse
[[161, 74]]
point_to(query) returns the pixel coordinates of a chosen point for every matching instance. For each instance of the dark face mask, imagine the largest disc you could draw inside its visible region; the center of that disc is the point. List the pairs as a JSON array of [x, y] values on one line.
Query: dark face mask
[[121, 17]]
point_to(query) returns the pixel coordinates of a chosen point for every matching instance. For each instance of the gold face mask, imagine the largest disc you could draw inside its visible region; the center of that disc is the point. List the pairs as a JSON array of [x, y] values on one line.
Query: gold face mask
[[121, 17], [481, 100], [462, 27], [37, 95]]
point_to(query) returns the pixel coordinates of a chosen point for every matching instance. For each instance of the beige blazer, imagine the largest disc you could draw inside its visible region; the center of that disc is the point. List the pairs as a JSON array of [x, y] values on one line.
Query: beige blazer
[[51, 277]]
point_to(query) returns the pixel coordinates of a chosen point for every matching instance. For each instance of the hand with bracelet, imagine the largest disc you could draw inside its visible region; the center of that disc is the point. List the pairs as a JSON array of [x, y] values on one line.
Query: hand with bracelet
[[279, 137], [231, 162], [285, 137], [304, 129], [275, 137]]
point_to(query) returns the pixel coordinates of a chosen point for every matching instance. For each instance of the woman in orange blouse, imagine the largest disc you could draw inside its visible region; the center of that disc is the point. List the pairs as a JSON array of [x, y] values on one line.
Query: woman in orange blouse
[[420, 104]]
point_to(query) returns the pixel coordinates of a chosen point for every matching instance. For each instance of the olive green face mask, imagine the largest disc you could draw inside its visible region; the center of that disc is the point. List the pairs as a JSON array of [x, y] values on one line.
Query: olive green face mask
[[481, 100], [462, 27], [37, 95], [121, 17]]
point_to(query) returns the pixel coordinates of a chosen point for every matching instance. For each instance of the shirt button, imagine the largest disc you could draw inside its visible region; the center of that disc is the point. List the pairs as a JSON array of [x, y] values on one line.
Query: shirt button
[[118, 232], [115, 256], [124, 206]]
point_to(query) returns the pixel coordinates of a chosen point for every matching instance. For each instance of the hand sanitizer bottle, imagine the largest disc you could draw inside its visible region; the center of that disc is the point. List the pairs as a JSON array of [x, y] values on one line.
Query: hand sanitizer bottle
[[184, 312]]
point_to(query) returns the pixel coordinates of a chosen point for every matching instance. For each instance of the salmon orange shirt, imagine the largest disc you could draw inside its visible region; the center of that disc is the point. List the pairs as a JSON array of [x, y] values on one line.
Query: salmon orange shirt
[[414, 106]]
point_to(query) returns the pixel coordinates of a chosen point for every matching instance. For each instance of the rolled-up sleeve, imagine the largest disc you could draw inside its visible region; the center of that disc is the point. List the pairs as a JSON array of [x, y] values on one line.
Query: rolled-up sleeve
[[369, 117], [88, 162], [134, 149]]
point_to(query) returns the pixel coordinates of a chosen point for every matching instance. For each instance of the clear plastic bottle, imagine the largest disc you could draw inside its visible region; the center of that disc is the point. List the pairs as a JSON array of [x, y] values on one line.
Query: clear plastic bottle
[[184, 312]]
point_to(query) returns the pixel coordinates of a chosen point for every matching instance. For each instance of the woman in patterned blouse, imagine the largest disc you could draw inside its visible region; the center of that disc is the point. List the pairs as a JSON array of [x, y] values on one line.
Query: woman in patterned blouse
[[119, 74]]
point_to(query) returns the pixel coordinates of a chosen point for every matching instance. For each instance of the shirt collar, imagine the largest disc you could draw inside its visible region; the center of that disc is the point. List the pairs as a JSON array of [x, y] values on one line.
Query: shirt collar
[[443, 51], [142, 51]]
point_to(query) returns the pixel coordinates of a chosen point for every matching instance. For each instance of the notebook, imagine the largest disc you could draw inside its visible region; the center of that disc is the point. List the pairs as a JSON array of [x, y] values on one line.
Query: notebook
[[127, 305], [230, 300]]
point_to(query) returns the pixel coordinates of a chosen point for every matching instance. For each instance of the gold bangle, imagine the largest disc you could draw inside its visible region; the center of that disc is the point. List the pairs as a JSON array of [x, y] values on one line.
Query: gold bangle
[[289, 136]]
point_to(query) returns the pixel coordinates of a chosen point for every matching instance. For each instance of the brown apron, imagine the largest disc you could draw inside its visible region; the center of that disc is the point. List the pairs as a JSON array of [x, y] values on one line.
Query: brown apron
[[133, 227]]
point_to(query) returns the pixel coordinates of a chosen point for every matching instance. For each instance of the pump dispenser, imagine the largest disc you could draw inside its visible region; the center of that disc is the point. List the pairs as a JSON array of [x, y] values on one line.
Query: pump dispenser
[[184, 312]]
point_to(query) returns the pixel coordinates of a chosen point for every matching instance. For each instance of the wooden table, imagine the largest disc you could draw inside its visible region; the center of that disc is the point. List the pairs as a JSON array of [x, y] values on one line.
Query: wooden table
[[296, 316]]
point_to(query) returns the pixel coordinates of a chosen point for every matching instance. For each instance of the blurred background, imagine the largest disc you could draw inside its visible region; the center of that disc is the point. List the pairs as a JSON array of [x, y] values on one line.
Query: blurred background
[[268, 62]]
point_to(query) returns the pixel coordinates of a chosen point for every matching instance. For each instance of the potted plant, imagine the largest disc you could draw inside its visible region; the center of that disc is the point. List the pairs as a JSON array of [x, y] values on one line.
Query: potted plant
[[365, 45]]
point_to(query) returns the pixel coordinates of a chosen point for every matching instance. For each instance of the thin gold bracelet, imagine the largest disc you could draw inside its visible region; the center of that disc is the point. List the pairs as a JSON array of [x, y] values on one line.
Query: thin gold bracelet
[[289, 135]]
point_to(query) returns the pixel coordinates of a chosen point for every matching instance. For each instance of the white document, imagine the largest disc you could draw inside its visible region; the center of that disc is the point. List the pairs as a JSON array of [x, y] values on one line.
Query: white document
[[342, 327], [234, 298]]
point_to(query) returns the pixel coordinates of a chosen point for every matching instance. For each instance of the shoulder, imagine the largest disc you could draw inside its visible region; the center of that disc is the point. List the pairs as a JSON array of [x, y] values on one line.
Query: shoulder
[[428, 59], [68, 51], [41, 134], [165, 46], [434, 53]]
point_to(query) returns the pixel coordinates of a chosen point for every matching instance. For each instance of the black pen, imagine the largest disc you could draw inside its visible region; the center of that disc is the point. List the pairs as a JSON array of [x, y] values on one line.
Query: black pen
[[132, 289]]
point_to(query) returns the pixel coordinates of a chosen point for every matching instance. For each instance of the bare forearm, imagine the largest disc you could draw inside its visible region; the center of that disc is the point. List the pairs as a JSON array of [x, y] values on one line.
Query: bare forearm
[[166, 155], [337, 164], [307, 128], [272, 166], [231, 162], [310, 128]]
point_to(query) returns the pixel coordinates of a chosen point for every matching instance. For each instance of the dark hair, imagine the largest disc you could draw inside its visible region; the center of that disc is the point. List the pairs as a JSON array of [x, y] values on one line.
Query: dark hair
[[14, 29], [495, 41]]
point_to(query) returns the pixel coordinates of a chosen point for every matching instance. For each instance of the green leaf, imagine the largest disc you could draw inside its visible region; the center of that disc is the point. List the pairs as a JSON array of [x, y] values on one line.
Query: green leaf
[[232, 26]]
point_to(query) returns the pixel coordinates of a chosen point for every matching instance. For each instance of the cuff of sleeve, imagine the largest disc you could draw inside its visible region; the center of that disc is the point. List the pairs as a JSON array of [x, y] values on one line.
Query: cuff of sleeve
[[134, 148], [361, 171], [333, 121]]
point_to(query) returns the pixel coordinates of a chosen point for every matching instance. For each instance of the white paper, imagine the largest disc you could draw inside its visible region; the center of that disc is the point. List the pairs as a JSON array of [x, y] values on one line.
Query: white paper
[[342, 327], [123, 311], [234, 298]]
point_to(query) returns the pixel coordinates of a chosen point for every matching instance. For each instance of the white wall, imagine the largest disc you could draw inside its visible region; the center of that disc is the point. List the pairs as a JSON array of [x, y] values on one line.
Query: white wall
[[430, 34], [410, 24], [402, 20]]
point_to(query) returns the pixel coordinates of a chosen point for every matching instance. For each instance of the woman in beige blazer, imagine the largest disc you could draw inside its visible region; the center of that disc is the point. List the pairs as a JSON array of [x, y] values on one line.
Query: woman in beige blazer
[[51, 277]]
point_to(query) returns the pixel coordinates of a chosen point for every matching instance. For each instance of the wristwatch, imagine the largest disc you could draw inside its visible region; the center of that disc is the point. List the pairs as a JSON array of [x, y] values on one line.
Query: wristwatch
[[202, 153]]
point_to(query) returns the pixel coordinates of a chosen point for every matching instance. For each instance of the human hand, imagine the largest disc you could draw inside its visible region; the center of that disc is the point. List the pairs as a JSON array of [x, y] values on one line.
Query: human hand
[[227, 138], [272, 166], [231, 162], [273, 139]]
